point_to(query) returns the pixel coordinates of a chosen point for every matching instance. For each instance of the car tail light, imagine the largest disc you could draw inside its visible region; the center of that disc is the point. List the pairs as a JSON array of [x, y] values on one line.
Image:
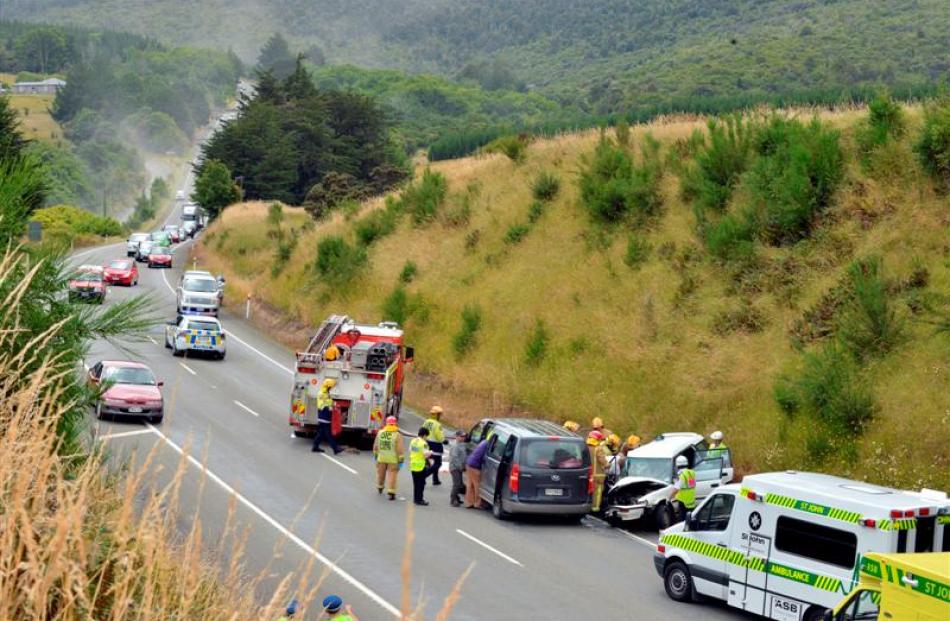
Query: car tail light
[[661, 548], [514, 478], [868, 522], [590, 481], [375, 376], [307, 370], [909, 513], [898, 514], [923, 512]]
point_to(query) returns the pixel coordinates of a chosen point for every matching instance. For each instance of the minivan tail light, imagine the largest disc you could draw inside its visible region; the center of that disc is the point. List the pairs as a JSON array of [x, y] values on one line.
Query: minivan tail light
[[307, 370], [514, 478], [923, 512]]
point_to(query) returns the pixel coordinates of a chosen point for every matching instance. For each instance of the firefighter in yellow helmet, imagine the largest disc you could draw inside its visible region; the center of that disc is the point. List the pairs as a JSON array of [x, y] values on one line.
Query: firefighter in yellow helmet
[[325, 418], [389, 453], [571, 425], [332, 353], [598, 461], [436, 441]]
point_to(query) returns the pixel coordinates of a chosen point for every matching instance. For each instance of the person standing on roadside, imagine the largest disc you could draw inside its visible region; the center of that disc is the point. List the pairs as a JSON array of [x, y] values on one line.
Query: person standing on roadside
[[325, 418], [419, 454], [389, 454], [333, 606], [457, 456], [436, 441], [473, 474]]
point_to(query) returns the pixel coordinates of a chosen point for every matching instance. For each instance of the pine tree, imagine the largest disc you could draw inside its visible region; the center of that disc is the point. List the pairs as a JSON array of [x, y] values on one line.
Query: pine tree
[[276, 56]]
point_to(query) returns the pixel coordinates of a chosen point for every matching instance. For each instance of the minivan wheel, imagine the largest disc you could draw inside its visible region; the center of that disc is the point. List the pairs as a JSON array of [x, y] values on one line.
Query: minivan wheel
[[815, 613], [663, 517], [497, 510], [677, 582]]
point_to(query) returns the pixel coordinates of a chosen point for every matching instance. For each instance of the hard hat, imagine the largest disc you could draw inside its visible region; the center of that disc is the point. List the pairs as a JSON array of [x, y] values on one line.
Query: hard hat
[[332, 603], [613, 440], [597, 423], [329, 383], [633, 440], [716, 435], [392, 421], [436, 410], [682, 462], [595, 435], [292, 607], [571, 425]]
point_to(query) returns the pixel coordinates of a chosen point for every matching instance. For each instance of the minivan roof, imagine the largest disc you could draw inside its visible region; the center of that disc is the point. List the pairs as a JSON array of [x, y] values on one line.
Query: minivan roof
[[667, 445], [534, 427]]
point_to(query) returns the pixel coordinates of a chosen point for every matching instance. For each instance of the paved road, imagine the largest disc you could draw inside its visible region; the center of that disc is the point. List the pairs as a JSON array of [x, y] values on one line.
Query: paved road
[[233, 413]]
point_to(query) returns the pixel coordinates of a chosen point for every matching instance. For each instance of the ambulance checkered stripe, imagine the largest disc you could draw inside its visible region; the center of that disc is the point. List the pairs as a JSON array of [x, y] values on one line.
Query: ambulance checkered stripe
[[788, 502], [902, 524]]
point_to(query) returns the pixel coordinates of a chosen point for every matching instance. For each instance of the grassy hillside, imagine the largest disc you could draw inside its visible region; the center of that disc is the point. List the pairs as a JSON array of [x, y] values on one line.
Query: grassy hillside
[[568, 318], [36, 123], [603, 55]]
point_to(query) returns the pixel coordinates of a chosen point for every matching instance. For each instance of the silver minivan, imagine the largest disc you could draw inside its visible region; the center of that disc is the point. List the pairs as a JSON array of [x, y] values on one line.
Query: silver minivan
[[533, 467]]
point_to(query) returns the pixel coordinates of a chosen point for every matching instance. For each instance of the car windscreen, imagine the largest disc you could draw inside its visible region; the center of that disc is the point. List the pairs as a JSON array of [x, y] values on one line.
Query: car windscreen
[[138, 237], [144, 246], [128, 375], [156, 249], [203, 325], [650, 467], [94, 276], [554, 453], [120, 265], [201, 285]]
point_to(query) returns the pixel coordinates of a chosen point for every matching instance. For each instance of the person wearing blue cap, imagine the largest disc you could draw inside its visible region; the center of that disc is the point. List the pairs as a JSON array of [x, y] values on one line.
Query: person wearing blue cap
[[333, 606], [290, 611]]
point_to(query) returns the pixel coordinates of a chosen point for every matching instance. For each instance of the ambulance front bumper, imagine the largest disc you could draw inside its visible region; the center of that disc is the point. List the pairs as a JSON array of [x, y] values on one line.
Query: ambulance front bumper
[[659, 562]]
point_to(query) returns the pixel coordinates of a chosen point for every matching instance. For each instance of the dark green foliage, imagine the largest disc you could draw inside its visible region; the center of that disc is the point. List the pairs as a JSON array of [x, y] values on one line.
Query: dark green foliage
[[719, 163], [885, 122], [466, 338], [43, 49], [214, 188], [730, 238], [11, 140], [396, 306], [408, 273], [870, 325], [613, 189], [516, 233], [276, 57], [622, 131], [933, 146], [68, 179], [535, 211], [275, 215], [337, 261], [545, 186], [285, 250], [537, 345], [637, 252], [511, 146], [423, 199], [377, 224], [22, 191]]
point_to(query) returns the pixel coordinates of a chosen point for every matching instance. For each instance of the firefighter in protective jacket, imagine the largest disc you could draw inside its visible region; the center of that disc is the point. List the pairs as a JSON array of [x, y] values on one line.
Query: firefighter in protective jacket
[[389, 452]]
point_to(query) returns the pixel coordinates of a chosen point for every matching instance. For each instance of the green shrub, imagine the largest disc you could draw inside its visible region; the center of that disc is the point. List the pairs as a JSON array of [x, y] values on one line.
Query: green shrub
[[797, 170], [422, 199], [396, 306], [338, 261], [933, 146], [613, 189], [408, 273], [513, 146], [730, 238], [377, 224], [718, 164], [870, 325], [546, 186], [285, 249], [465, 339], [638, 250], [885, 121], [75, 221], [535, 211], [622, 133], [275, 215], [537, 345], [516, 233]]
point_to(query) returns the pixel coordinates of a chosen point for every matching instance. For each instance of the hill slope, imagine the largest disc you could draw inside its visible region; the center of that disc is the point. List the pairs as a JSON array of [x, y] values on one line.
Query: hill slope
[[566, 329], [605, 55]]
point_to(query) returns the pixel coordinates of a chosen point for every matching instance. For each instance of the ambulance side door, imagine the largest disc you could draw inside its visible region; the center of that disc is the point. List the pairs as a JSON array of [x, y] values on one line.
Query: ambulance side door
[[709, 524], [752, 533]]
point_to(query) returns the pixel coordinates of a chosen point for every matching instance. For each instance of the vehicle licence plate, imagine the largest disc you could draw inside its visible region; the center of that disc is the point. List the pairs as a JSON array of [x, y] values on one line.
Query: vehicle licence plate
[[203, 340], [553, 491], [135, 410]]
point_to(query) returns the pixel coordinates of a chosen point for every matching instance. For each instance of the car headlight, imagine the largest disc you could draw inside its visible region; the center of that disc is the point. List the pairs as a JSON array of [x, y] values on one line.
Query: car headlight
[[154, 404]]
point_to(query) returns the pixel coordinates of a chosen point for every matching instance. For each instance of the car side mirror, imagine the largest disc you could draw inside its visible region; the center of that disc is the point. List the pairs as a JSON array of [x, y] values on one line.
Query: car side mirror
[[410, 353], [160, 384], [690, 521]]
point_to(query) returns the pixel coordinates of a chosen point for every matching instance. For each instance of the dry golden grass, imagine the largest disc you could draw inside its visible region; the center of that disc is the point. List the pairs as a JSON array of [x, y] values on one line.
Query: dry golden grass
[[629, 345], [35, 120]]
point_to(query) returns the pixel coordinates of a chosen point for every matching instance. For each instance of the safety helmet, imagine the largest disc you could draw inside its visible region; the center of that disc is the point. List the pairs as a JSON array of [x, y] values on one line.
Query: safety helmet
[[595, 437], [332, 603], [392, 421], [716, 435], [571, 425], [597, 423], [633, 440], [682, 462], [613, 440], [436, 410], [329, 383], [292, 607]]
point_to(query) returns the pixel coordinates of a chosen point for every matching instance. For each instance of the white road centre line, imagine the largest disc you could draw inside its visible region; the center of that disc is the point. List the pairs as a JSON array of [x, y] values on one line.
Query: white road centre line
[[341, 464], [489, 548], [245, 408], [329, 564], [126, 434], [187, 368], [154, 342]]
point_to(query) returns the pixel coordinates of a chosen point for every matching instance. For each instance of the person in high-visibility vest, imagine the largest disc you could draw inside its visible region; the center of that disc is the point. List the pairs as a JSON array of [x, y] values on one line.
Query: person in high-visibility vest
[[717, 448], [571, 425], [389, 453], [325, 418], [598, 460], [290, 611], [333, 606], [436, 441], [684, 488], [419, 454]]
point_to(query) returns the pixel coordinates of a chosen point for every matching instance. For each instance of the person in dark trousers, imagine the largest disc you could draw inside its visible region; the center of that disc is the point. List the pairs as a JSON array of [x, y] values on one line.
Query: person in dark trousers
[[457, 456], [419, 454], [436, 441], [325, 419]]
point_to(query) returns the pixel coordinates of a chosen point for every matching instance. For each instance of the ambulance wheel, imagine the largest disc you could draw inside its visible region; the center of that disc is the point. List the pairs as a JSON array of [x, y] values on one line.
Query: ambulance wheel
[[677, 582], [663, 517], [815, 613]]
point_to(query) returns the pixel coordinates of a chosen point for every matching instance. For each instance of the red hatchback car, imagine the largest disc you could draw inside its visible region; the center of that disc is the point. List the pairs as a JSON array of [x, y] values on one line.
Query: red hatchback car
[[121, 272], [127, 389], [159, 256]]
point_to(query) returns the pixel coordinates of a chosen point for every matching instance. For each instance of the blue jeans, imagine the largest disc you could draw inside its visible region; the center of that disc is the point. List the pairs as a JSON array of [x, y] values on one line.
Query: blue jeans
[[323, 433]]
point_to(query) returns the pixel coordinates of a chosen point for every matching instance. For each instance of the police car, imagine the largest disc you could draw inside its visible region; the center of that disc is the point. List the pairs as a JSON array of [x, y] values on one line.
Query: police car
[[195, 334], [789, 545]]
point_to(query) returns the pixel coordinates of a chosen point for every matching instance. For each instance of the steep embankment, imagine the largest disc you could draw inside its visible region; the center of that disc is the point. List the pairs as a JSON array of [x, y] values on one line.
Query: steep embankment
[[516, 304]]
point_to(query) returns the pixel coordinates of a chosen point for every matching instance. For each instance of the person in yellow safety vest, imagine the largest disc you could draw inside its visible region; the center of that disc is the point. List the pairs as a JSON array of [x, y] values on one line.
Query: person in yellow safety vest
[[597, 424], [612, 444], [333, 606], [598, 460], [684, 488], [332, 353], [389, 452], [419, 454], [717, 447], [436, 441], [290, 611], [571, 425], [325, 418]]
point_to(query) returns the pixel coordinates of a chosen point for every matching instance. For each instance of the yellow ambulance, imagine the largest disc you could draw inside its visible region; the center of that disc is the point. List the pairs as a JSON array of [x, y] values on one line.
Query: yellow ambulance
[[899, 587]]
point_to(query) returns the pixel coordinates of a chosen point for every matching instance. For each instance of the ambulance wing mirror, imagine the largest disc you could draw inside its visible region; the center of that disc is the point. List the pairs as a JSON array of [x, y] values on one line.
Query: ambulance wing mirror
[[690, 521], [410, 353]]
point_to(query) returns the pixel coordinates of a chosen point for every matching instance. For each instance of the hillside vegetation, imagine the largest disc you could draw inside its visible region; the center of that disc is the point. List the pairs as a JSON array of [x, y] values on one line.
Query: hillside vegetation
[[781, 278]]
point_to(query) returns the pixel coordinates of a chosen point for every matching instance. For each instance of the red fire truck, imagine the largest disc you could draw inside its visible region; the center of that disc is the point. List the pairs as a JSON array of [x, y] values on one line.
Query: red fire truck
[[368, 364]]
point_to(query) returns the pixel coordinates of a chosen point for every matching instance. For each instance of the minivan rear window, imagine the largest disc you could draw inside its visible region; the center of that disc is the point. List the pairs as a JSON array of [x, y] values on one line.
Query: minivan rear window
[[555, 453]]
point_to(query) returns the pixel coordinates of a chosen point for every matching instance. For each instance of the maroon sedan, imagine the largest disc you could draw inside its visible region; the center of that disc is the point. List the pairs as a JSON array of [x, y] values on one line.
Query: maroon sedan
[[88, 283], [127, 389], [122, 272], [159, 256], [174, 233]]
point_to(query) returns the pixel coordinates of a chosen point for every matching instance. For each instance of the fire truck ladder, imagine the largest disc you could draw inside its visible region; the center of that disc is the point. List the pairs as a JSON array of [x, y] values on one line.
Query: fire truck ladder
[[328, 329]]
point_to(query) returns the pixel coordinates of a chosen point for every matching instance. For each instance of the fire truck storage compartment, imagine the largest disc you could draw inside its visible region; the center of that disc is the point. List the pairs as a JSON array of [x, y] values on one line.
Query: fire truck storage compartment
[[381, 355], [359, 354]]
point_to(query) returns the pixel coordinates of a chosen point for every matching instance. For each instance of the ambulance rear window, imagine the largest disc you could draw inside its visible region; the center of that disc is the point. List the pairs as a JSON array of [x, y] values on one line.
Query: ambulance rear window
[[816, 542]]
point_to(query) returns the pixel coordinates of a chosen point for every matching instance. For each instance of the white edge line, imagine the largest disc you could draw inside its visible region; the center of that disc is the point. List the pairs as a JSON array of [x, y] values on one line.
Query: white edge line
[[125, 434], [339, 571], [625, 533], [245, 408], [187, 368], [488, 547], [340, 464], [154, 342]]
